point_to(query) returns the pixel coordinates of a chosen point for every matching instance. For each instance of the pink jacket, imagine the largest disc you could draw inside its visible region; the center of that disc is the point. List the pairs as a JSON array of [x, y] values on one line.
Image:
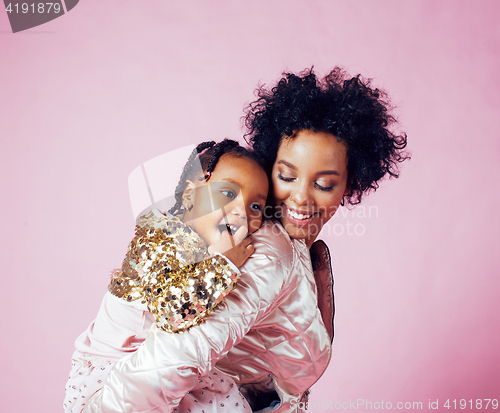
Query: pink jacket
[[271, 334]]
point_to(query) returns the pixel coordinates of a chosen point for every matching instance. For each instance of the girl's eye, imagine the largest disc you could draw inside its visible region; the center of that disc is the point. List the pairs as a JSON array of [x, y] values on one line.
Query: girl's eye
[[285, 178], [323, 188], [228, 194], [256, 207]]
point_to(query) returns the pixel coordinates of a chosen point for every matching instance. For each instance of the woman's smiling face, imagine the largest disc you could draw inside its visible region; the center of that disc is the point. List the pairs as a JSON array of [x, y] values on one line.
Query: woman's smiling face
[[309, 179]]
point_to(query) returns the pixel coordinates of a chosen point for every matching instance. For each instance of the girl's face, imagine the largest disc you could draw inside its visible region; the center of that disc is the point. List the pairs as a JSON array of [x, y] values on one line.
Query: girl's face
[[309, 179], [234, 196]]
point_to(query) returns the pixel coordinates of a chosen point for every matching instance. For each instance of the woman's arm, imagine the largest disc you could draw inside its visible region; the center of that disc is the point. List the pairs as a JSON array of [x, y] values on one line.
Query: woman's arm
[[167, 366]]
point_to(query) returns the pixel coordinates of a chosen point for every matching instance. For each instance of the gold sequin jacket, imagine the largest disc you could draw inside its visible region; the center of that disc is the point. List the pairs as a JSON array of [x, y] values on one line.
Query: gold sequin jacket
[[168, 268], [273, 332]]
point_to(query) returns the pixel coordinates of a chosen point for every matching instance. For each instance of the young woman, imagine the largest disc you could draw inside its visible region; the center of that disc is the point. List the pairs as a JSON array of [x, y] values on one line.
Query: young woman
[[327, 142]]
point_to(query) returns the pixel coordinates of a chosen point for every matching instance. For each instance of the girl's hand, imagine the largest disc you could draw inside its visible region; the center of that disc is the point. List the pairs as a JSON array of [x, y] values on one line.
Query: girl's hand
[[235, 248]]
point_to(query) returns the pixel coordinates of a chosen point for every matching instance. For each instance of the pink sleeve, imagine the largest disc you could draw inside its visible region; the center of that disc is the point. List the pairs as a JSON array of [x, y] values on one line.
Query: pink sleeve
[[166, 366], [118, 329]]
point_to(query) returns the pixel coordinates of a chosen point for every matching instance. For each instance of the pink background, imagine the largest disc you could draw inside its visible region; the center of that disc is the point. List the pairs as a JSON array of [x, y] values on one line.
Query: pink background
[[89, 96]]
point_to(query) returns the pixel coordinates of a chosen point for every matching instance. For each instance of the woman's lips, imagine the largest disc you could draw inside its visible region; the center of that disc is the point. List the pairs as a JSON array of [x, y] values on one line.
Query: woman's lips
[[299, 218]]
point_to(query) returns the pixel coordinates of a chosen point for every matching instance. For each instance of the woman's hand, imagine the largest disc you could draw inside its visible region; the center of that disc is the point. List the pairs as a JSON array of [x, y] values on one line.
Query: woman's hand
[[235, 248]]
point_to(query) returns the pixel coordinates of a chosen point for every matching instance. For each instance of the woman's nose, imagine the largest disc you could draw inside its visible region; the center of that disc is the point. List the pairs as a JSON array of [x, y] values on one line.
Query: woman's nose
[[300, 195]]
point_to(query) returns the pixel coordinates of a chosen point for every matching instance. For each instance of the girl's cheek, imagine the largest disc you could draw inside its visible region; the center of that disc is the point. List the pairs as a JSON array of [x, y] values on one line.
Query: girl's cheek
[[254, 225]]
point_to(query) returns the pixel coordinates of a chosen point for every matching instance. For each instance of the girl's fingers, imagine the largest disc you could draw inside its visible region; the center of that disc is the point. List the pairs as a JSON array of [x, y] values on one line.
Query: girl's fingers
[[228, 239], [249, 249], [245, 242], [238, 241], [240, 234]]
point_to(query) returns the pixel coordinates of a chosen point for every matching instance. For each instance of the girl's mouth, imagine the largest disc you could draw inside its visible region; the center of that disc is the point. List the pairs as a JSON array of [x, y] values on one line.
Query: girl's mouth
[[231, 228], [299, 218]]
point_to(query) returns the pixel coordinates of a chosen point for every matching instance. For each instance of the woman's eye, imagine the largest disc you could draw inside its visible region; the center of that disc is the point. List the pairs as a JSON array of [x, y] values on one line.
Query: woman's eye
[[285, 178], [324, 188], [228, 194]]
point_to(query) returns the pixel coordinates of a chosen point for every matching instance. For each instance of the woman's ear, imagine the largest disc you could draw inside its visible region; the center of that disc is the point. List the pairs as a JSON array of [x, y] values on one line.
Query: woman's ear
[[188, 196], [347, 193]]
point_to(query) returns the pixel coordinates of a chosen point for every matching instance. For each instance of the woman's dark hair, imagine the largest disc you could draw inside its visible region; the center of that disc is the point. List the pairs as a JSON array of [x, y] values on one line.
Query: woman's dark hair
[[345, 107], [208, 154]]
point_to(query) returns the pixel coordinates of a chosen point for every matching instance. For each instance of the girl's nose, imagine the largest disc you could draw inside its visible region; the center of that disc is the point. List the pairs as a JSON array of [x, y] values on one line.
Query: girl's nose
[[238, 207]]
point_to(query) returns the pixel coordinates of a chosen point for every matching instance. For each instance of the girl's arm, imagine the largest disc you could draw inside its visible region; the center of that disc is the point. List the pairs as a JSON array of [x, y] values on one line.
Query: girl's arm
[[168, 267], [167, 366]]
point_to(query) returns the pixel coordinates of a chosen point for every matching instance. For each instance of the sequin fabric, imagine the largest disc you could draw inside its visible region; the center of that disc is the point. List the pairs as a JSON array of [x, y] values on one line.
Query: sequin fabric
[[168, 267]]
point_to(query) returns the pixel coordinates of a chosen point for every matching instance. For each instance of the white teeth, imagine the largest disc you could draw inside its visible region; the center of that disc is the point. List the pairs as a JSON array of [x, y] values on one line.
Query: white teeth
[[296, 215], [228, 227]]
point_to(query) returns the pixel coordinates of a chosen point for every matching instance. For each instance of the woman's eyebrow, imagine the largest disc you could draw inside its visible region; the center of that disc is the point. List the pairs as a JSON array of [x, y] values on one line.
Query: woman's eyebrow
[[291, 166], [332, 172]]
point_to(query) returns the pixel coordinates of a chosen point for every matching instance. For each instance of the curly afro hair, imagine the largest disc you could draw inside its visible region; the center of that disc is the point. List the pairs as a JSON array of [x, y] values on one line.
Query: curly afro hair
[[346, 107]]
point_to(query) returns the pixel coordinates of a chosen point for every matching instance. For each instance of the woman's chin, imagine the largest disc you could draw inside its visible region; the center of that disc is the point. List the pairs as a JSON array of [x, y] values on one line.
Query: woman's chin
[[299, 231]]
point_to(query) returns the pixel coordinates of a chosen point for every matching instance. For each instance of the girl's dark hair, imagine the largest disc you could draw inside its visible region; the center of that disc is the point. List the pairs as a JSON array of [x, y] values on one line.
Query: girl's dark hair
[[345, 107], [208, 154]]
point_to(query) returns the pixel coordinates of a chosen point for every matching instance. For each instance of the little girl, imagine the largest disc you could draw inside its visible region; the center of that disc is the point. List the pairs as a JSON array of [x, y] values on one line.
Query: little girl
[[174, 273]]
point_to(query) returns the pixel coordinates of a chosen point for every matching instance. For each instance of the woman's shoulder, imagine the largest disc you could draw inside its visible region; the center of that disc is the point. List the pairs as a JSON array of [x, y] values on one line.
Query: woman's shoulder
[[273, 253], [272, 239]]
